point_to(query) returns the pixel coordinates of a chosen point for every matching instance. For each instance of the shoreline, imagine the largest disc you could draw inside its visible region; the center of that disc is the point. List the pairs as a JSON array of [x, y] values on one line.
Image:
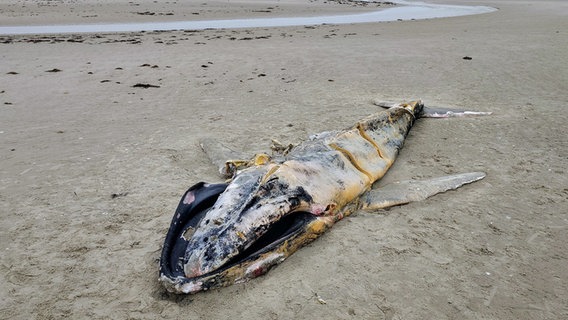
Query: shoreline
[[407, 11], [15, 13]]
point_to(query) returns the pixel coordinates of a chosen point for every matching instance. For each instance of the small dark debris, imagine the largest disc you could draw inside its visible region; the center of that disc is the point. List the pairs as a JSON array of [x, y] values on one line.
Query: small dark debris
[[262, 75], [12, 149], [467, 58], [118, 68], [330, 80], [60, 131], [145, 85], [12, 72], [54, 70], [117, 195], [8, 103], [103, 81], [204, 66], [289, 125]]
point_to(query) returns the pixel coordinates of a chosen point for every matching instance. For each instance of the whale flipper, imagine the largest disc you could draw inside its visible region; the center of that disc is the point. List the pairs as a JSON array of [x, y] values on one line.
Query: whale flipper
[[228, 160], [407, 191]]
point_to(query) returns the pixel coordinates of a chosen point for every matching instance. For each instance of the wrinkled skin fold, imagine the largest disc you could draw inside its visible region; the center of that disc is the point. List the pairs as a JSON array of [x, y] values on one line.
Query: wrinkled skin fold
[[228, 233]]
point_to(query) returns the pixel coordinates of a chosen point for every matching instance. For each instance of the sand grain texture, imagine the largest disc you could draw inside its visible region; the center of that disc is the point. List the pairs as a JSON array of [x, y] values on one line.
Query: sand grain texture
[[92, 166]]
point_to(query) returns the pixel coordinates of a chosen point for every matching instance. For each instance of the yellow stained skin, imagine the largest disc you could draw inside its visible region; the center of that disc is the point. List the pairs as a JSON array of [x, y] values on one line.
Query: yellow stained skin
[[359, 156]]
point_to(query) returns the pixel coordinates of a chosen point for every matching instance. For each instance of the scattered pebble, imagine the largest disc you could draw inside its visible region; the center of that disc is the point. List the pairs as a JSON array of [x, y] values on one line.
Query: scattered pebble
[[319, 299]]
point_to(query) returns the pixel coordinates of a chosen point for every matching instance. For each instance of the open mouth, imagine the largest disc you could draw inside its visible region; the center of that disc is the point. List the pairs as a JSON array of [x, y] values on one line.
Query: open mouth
[[282, 230], [188, 216]]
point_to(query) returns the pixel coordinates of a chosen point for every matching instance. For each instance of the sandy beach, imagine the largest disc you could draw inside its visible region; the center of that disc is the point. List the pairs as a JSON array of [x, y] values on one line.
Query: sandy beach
[[98, 141]]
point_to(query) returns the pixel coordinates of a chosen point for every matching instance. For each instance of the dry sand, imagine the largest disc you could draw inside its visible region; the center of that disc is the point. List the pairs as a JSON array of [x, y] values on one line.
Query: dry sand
[[92, 168]]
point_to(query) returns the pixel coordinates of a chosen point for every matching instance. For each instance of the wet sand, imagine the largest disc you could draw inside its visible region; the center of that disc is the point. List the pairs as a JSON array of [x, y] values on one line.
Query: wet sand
[[98, 140]]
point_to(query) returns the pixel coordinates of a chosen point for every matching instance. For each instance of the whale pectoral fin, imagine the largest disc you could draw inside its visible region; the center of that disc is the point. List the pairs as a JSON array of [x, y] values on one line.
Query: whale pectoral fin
[[228, 160], [223, 157], [403, 192]]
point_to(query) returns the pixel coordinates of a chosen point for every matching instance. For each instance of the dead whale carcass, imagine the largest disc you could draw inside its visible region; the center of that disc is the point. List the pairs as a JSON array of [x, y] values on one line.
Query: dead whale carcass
[[228, 233]]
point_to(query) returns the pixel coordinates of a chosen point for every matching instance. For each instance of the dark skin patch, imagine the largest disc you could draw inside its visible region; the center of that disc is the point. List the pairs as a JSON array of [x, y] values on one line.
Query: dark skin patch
[[273, 188]]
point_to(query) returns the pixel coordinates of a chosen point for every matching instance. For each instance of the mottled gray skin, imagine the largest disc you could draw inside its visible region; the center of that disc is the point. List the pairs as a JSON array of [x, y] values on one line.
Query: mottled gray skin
[[320, 176], [276, 205]]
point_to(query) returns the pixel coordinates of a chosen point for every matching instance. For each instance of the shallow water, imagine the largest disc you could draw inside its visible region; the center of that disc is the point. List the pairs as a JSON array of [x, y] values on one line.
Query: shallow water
[[408, 11]]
